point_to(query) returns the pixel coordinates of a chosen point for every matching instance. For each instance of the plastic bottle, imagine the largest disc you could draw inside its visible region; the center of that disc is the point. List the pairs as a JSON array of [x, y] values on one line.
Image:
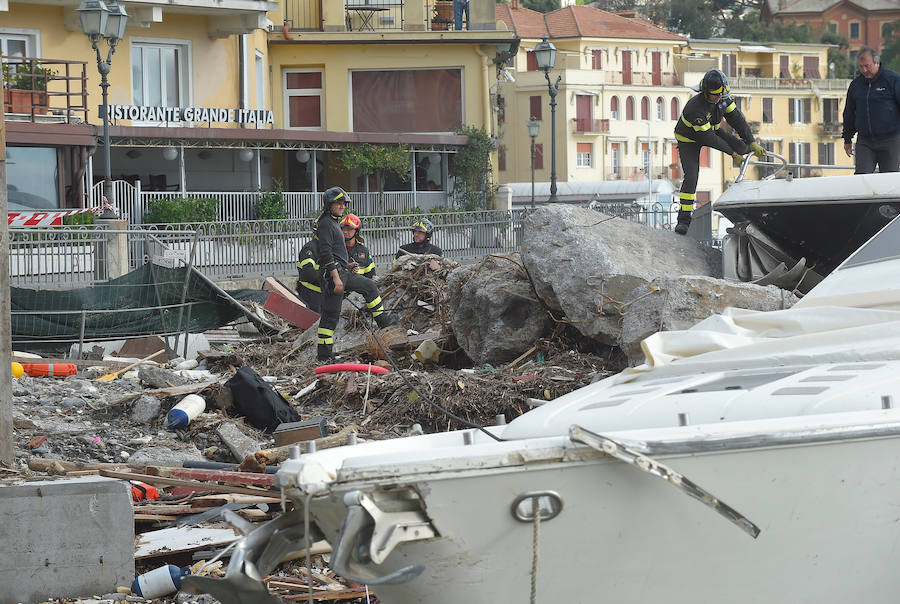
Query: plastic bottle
[[159, 582], [189, 408], [17, 370]]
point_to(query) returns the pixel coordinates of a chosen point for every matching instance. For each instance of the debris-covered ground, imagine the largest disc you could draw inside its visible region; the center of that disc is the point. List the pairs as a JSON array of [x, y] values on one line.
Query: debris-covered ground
[[81, 424]]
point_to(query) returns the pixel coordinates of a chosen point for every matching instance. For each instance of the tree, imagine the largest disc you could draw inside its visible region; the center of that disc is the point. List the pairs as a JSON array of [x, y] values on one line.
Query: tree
[[837, 56], [377, 160], [890, 53], [470, 167], [541, 6]]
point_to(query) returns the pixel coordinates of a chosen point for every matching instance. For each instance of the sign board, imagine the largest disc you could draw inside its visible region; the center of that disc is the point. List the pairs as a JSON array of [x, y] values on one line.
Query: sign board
[[141, 113]]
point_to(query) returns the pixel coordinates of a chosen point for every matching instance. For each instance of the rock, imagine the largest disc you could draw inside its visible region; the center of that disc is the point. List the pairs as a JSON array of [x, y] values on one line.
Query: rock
[[585, 263], [81, 387], [495, 315], [159, 377], [145, 409], [166, 455], [681, 302], [70, 402]]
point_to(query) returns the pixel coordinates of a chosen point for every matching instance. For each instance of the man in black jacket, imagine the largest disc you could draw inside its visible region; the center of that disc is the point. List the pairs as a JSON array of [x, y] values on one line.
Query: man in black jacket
[[698, 126], [309, 287], [334, 262], [872, 112], [421, 244]]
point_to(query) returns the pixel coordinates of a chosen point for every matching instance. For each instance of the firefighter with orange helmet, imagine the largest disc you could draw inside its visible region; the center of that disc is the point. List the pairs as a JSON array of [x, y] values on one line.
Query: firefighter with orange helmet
[[361, 261]]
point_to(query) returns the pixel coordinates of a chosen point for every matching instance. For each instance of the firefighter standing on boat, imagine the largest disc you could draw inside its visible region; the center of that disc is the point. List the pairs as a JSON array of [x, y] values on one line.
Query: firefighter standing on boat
[[698, 126]]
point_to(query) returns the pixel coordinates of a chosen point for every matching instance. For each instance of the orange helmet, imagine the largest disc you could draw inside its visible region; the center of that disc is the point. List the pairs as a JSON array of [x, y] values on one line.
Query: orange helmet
[[351, 220]]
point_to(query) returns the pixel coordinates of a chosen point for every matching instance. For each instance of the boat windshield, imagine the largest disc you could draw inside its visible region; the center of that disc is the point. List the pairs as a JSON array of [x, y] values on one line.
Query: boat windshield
[[883, 246]]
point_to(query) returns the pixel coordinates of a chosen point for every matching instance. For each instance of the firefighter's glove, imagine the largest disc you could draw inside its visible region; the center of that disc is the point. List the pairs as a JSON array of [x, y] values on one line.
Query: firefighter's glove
[[737, 159], [757, 150]]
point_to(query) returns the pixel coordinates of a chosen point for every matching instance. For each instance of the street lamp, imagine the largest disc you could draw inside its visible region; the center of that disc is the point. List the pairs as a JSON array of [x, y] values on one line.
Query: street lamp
[[545, 53], [534, 127], [107, 21]]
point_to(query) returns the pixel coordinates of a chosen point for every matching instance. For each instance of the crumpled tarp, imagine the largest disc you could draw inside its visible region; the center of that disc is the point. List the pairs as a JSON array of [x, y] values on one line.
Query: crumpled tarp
[[142, 302]]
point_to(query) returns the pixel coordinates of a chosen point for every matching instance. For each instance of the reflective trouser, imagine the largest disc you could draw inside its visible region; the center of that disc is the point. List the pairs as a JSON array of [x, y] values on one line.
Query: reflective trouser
[[310, 297], [331, 307], [689, 153]]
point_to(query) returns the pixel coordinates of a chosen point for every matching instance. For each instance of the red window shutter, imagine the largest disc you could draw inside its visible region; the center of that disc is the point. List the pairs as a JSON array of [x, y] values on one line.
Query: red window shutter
[[305, 111], [629, 108], [807, 111], [535, 106], [791, 115], [304, 80], [656, 76], [583, 147], [675, 158], [614, 105], [501, 158], [675, 109], [645, 108], [531, 61], [596, 62], [626, 67], [704, 157], [539, 156], [784, 67], [701, 198]]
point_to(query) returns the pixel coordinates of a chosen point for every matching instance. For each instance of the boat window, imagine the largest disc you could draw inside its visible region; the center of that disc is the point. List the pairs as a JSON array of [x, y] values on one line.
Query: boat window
[[884, 246]]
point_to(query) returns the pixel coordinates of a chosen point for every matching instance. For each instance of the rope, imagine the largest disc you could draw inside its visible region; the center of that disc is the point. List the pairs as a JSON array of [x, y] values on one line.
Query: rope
[[535, 541]]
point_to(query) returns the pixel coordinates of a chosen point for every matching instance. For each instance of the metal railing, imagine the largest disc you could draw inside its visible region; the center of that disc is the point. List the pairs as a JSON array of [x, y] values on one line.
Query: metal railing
[[45, 90], [302, 15], [51, 257], [590, 126], [644, 78], [786, 83]]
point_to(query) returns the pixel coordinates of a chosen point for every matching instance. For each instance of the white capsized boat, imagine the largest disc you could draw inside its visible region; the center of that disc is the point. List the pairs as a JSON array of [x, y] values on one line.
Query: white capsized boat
[[754, 458]]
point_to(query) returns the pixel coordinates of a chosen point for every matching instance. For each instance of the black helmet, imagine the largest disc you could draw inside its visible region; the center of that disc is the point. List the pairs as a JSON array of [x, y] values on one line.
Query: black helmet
[[334, 194], [714, 82], [424, 225]]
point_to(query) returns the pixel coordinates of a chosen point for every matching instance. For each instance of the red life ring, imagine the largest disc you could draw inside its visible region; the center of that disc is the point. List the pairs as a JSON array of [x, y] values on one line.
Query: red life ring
[[350, 367]]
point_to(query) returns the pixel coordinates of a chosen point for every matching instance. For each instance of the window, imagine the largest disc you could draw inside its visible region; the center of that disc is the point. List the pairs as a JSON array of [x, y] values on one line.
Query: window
[[538, 156], [799, 111], [260, 81], [501, 158], [583, 152], [831, 26], [830, 113], [583, 113], [729, 65], [656, 68], [629, 108], [406, 100], [596, 62], [660, 109], [764, 170], [32, 178], [826, 154], [799, 154], [886, 30], [853, 56], [626, 67], [531, 61], [158, 74], [20, 43], [645, 108], [767, 110], [811, 68], [615, 160], [534, 103], [614, 108], [676, 108], [854, 30], [784, 67], [646, 158], [304, 98], [704, 157]]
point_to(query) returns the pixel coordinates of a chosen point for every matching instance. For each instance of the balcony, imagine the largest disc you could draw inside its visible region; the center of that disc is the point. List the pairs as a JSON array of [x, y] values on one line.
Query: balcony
[[381, 16], [44, 90], [832, 128], [589, 126], [644, 78], [754, 83]]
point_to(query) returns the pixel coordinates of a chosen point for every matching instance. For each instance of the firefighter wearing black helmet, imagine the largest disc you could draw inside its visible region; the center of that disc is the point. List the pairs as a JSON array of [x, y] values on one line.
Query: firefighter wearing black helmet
[[698, 126], [336, 278], [421, 244]]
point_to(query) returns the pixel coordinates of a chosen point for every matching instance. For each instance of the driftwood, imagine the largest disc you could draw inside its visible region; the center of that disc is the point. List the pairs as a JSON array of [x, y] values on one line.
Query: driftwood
[[279, 454]]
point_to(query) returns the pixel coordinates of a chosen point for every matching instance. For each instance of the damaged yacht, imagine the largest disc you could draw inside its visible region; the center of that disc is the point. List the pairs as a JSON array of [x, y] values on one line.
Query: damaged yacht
[[754, 457]]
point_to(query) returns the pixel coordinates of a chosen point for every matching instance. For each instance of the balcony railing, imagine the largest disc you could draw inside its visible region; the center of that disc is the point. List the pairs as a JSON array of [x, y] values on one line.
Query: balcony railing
[[45, 90], [644, 78], [367, 15], [755, 83], [589, 126], [832, 128]]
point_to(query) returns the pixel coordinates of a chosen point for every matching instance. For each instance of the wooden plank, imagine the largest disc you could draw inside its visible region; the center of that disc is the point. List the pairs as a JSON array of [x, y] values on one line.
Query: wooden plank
[[344, 594], [181, 539], [279, 454], [154, 518], [197, 485], [164, 508], [223, 476]]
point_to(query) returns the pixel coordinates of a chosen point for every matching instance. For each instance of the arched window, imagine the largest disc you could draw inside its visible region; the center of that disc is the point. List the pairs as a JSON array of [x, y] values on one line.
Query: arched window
[[676, 109], [660, 109], [614, 108], [645, 108], [629, 108]]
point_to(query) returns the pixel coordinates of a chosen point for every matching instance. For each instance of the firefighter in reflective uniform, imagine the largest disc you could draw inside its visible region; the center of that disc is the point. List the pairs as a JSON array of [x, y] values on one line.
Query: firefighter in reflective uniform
[[336, 276], [309, 287], [698, 127], [421, 244], [361, 261]]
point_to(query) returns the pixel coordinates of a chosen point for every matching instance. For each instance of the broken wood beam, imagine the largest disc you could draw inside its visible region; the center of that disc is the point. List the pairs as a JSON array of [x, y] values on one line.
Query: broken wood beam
[[279, 454], [177, 482]]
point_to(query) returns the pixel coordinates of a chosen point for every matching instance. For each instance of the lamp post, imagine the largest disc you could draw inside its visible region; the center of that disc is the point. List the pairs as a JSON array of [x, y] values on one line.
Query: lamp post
[[534, 128], [107, 21], [545, 53]]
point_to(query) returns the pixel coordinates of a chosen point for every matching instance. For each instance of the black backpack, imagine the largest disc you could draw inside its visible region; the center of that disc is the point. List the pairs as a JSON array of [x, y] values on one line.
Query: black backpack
[[258, 402]]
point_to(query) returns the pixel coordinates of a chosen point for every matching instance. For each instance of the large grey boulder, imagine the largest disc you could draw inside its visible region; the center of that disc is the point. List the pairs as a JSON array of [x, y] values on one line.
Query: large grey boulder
[[681, 302], [494, 313], [585, 263]]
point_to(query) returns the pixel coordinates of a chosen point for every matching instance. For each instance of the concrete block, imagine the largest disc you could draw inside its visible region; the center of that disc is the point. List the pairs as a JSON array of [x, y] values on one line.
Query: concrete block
[[65, 538]]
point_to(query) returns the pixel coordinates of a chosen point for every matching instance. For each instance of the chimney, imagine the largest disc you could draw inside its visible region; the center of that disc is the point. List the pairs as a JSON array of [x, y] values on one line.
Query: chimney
[[515, 4]]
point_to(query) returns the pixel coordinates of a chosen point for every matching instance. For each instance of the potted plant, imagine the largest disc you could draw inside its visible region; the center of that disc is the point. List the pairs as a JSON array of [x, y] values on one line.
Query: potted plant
[[25, 87], [443, 14]]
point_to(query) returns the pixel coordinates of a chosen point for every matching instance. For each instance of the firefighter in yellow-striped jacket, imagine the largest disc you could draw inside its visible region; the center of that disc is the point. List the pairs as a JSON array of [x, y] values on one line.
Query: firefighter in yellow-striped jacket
[[361, 261], [309, 285], [698, 126]]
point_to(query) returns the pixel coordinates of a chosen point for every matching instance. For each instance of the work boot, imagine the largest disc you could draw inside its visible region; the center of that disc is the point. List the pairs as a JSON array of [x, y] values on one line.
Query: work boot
[[386, 320], [684, 222], [324, 353]]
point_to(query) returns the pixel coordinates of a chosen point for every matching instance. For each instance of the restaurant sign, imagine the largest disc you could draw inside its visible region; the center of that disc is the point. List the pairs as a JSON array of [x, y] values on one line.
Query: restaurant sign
[[142, 113]]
